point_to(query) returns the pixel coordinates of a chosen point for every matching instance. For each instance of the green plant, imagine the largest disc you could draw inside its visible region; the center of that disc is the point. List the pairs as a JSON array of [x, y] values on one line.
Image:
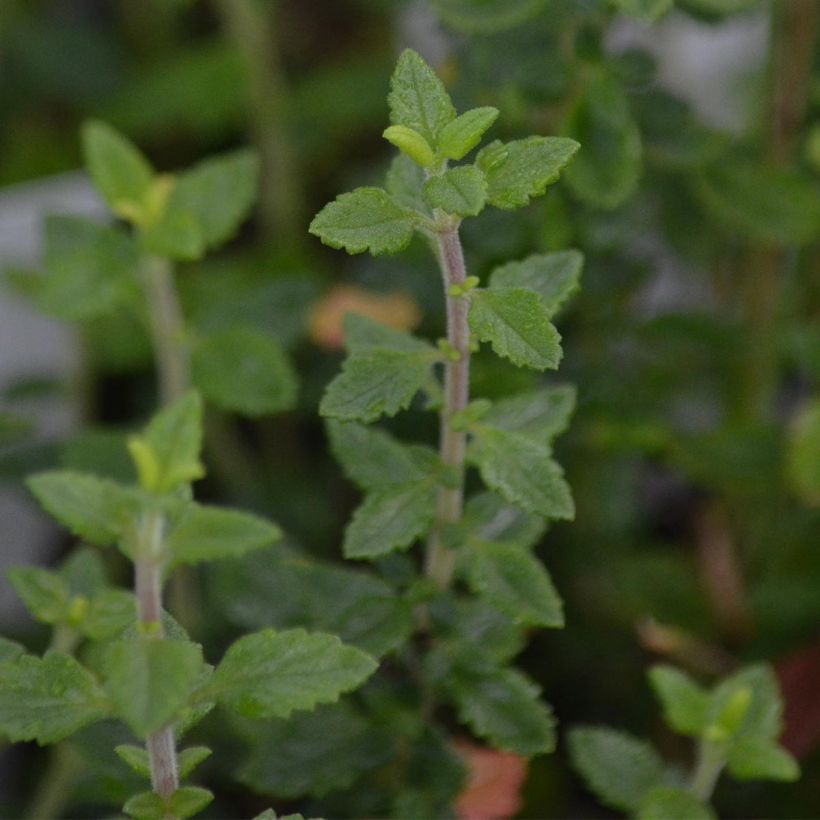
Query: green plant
[[736, 725], [138, 665], [414, 493]]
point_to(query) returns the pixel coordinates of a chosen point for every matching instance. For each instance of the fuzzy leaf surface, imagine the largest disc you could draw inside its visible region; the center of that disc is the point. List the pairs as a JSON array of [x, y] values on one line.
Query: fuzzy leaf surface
[[245, 370], [519, 170], [462, 134], [367, 219], [555, 277], [271, 674], [461, 191], [47, 699], [618, 768], [516, 323], [541, 414]]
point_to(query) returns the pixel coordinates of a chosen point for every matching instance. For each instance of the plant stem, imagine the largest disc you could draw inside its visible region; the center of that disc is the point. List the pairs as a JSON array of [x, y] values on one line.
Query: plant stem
[[148, 588], [709, 765], [56, 785], [440, 561], [167, 328]]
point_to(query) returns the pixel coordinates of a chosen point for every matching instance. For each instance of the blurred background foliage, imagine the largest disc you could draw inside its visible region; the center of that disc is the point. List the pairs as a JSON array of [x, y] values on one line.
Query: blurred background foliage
[[694, 343]]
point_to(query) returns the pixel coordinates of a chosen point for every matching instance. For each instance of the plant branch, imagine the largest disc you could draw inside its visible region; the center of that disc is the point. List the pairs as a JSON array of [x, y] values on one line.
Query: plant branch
[[148, 588], [709, 765], [440, 561]]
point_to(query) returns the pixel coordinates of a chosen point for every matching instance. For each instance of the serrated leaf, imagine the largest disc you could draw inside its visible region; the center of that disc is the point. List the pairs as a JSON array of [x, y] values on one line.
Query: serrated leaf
[[91, 508], [120, 172], [47, 699], [363, 335], [404, 182], [670, 803], [608, 167], [150, 679], [45, 594], [189, 800], [135, 757], [541, 414], [460, 136], [390, 519], [372, 458], [503, 706], [246, 370], [514, 582], [313, 753], [753, 758], [174, 440], [205, 533], [90, 269], [555, 277], [486, 16], [271, 674], [516, 323], [282, 589], [418, 99], [145, 806], [522, 471], [461, 191], [768, 204], [488, 517], [519, 170], [618, 768], [367, 219], [109, 613], [188, 759], [685, 703]]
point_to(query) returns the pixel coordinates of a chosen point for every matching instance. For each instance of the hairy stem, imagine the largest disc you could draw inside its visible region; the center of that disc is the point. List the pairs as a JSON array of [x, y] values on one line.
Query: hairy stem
[[452, 444], [167, 328], [148, 588], [709, 765]]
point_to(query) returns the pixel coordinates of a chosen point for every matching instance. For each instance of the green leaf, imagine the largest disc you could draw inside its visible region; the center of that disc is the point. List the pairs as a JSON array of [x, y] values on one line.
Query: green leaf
[[404, 182], [119, 171], [189, 759], [390, 519], [685, 703], [135, 757], [367, 219], [9, 650], [167, 454], [460, 136], [753, 758], [803, 462], [145, 806], [271, 674], [372, 458], [175, 235], [503, 706], [418, 99], [411, 143], [522, 471], [519, 170], [768, 204], [47, 699], [84, 572], [554, 277], [516, 583], [208, 533], [607, 170], [516, 323], [91, 508], [45, 594], [314, 753], [649, 10], [282, 589], [618, 768], [541, 414], [109, 613], [488, 517], [385, 370], [189, 800], [486, 16], [670, 803], [90, 269], [246, 370], [150, 680], [461, 191]]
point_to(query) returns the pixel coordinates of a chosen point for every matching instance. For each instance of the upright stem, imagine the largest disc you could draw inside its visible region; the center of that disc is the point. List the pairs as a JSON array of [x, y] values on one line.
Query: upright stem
[[709, 765], [440, 560], [148, 588], [167, 328]]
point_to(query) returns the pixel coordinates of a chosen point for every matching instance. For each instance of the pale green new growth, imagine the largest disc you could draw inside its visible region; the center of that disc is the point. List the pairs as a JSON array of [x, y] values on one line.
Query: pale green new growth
[[685, 703], [516, 323], [461, 191], [460, 136]]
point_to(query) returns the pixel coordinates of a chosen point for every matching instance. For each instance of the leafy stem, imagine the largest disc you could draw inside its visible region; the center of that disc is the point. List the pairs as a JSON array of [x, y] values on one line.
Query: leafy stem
[[440, 561], [710, 763]]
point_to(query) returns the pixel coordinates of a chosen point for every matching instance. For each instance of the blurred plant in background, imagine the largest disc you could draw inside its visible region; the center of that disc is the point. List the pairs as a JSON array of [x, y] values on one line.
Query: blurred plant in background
[[695, 451]]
